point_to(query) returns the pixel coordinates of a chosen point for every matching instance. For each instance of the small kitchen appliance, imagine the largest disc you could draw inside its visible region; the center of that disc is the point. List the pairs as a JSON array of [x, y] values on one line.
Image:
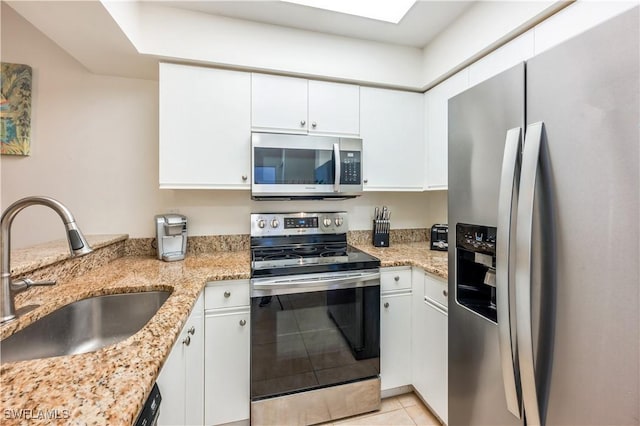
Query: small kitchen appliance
[[305, 166], [315, 320], [440, 237], [171, 237]]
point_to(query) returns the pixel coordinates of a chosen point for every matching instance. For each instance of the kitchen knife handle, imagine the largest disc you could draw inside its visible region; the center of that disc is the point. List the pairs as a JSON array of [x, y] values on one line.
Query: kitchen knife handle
[[508, 185], [524, 229]]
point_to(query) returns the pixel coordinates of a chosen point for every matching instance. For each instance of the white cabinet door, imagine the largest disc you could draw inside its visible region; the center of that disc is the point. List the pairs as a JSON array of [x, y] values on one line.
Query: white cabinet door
[[429, 352], [436, 128], [205, 119], [395, 340], [334, 108], [227, 365], [278, 104], [434, 356], [419, 339], [392, 131], [181, 380]]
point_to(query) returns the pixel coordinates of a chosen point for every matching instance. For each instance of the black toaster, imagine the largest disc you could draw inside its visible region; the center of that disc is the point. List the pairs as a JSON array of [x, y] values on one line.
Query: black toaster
[[440, 237]]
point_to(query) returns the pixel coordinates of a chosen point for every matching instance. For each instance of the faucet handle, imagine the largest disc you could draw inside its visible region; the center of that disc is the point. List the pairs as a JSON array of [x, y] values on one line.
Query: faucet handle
[[25, 283]]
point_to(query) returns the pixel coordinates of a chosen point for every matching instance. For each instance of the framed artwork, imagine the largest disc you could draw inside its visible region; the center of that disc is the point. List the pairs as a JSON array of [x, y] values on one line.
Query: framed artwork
[[15, 109]]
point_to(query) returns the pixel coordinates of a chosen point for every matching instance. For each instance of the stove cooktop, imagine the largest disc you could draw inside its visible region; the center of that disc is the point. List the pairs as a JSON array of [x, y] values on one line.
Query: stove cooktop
[[311, 258]]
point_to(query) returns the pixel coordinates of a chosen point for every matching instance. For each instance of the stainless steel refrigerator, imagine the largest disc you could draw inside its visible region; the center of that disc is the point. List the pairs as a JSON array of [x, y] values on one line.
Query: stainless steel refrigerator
[[543, 236]]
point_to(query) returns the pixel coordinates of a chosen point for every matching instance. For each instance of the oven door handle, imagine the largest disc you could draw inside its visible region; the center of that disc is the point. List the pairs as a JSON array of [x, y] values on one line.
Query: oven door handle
[[277, 286]]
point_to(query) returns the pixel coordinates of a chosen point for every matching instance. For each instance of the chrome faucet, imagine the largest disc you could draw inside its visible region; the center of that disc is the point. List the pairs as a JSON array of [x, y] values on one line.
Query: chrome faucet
[[78, 246]]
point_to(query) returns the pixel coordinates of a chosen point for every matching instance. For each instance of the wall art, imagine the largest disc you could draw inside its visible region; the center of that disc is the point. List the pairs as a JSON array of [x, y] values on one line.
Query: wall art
[[15, 109]]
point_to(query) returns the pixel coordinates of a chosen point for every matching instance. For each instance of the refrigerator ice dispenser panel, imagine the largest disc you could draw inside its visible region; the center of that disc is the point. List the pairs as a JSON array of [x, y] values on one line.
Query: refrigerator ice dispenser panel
[[476, 269]]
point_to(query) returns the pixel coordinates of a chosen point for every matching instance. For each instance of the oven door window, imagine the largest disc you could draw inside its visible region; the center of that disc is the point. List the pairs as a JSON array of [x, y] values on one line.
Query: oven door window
[[287, 166], [307, 341]]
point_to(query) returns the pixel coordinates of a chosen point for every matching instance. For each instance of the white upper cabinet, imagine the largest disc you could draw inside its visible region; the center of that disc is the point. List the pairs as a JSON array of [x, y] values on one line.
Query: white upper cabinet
[[295, 105], [436, 128], [392, 129], [205, 121], [334, 108], [279, 104]]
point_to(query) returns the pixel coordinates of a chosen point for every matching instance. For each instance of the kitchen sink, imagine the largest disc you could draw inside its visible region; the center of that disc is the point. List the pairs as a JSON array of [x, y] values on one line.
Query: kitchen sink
[[83, 326]]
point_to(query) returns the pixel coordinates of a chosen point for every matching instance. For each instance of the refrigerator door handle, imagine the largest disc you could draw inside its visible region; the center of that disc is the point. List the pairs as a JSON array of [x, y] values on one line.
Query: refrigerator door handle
[[524, 228], [508, 185]]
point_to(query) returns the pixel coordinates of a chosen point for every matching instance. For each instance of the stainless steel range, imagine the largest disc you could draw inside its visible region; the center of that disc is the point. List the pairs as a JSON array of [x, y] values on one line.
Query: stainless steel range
[[315, 320]]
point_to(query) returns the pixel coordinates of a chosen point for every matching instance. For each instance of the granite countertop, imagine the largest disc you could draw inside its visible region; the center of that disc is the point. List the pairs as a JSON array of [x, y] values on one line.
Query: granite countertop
[[110, 385], [410, 254]]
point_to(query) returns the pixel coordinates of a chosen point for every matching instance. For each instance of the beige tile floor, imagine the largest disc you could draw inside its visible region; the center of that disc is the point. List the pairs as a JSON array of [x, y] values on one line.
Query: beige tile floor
[[406, 409]]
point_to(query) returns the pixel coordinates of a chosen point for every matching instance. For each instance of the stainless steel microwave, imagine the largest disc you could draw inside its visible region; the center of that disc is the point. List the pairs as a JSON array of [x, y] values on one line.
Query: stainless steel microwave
[[301, 166]]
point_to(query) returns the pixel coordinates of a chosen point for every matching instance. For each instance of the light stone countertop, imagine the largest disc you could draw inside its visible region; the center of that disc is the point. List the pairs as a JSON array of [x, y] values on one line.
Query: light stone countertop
[[410, 254], [110, 385]]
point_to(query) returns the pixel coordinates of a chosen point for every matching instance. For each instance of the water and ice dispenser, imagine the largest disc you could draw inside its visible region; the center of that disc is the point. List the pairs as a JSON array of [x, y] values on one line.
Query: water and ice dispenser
[[476, 269]]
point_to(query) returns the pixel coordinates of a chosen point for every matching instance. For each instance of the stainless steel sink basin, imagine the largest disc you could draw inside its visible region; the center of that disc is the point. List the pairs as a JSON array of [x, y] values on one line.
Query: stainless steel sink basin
[[83, 326]]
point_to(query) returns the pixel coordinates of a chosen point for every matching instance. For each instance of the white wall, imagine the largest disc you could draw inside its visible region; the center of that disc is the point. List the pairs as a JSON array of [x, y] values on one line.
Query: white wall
[[95, 148], [186, 35], [482, 28]]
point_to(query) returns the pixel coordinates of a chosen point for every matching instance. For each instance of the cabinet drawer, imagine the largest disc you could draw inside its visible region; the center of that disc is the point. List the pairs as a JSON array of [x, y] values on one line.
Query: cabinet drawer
[[226, 294], [436, 290], [395, 279]]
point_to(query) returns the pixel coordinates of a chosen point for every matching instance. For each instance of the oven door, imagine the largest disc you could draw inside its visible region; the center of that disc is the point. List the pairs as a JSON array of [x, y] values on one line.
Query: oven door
[[294, 166], [314, 331]]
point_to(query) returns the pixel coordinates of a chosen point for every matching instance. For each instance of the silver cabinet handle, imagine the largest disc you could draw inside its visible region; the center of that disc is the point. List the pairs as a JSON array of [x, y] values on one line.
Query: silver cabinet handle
[[313, 124], [192, 330], [244, 177], [303, 123], [508, 180], [397, 278], [365, 181], [445, 293], [187, 341], [386, 304], [227, 294], [243, 322], [524, 228]]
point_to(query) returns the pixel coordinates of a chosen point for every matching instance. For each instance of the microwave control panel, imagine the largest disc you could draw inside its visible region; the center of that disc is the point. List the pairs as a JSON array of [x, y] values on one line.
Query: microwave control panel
[[350, 168]]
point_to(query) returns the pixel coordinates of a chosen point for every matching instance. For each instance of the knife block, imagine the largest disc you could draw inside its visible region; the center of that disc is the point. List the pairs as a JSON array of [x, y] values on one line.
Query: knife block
[[380, 233]]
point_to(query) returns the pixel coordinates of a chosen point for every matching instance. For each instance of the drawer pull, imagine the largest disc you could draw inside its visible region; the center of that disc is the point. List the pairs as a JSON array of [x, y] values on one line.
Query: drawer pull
[[243, 322], [386, 304], [227, 294], [445, 293], [397, 278], [187, 341], [192, 330]]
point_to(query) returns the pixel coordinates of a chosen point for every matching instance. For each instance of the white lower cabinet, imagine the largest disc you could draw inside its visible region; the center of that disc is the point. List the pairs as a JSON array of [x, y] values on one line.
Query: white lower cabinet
[[429, 356], [395, 327], [181, 380], [227, 352], [395, 340]]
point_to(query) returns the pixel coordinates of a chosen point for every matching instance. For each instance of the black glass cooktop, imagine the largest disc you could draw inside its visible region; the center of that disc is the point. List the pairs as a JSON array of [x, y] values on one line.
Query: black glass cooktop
[[273, 260]]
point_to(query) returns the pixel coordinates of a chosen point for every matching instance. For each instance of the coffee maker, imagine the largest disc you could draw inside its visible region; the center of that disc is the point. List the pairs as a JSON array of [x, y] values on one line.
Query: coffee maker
[[171, 236]]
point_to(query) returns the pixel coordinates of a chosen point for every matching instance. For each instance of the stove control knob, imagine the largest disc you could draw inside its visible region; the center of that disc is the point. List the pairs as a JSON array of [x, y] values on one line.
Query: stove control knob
[[261, 223], [326, 222], [274, 223], [338, 221]]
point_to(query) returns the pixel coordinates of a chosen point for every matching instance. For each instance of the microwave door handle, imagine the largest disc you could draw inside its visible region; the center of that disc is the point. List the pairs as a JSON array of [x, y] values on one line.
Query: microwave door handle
[[336, 159]]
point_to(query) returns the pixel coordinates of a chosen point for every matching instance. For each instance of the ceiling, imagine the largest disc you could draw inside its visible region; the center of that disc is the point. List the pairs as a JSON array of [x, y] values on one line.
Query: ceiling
[[424, 21]]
